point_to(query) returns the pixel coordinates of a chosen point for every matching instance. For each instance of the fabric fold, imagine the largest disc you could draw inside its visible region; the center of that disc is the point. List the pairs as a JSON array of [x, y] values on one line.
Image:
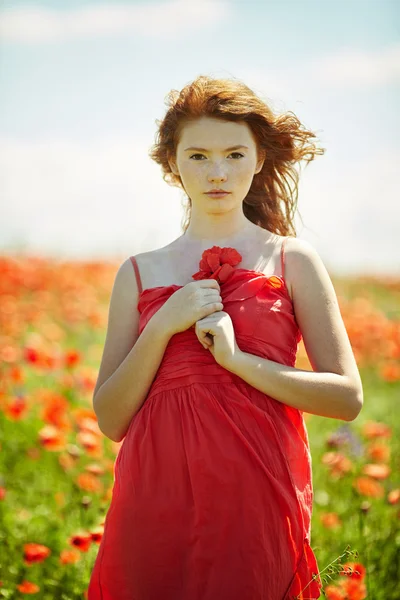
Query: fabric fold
[[213, 490]]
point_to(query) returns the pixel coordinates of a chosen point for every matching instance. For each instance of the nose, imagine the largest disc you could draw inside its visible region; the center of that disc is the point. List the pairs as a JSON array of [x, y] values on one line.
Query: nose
[[217, 175]]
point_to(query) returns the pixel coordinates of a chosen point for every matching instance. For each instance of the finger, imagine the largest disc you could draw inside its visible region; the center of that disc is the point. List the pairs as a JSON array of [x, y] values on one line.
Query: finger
[[204, 338], [207, 338], [204, 345], [210, 283], [204, 342]]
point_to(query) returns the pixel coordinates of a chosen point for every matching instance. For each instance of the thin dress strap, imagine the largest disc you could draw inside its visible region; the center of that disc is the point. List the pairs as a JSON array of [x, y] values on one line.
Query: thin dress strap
[[283, 258], [137, 273]]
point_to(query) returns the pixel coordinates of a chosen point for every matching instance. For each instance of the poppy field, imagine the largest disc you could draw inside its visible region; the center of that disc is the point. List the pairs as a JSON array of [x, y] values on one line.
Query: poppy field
[[57, 468]]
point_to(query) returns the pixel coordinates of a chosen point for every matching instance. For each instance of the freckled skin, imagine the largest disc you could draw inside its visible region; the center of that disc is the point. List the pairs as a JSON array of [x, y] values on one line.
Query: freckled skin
[[201, 171]]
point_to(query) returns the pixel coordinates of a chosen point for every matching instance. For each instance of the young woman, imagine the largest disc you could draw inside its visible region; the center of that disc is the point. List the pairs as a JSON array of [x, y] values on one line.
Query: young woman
[[213, 482]]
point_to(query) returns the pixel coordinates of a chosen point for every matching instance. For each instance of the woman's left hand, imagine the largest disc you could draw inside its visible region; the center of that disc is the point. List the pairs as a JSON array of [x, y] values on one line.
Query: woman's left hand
[[215, 332]]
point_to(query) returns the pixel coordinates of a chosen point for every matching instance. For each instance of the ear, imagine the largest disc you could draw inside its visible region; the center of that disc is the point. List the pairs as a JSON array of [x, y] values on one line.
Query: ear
[[259, 166], [260, 163], [172, 166]]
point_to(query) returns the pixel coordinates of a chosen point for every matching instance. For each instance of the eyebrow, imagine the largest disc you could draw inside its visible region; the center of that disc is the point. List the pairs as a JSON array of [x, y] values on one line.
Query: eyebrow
[[226, 150]]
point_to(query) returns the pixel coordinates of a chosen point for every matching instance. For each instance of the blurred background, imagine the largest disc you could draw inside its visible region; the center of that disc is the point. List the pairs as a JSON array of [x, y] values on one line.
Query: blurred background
[[82, 83]]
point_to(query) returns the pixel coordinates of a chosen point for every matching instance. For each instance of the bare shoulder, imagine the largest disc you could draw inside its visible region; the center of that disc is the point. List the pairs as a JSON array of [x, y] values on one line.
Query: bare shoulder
[[149, 256], [153, 257], [304, 265], [305, 273], [123, 322], [317, 313], [158, 266]]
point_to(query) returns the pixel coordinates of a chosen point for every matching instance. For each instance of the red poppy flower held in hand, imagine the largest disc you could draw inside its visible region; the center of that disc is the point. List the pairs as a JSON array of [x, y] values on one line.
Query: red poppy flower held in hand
[[217, 263]]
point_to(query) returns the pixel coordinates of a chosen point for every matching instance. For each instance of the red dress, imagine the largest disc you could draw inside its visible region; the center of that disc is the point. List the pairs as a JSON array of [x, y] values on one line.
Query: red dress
[[212, 496]]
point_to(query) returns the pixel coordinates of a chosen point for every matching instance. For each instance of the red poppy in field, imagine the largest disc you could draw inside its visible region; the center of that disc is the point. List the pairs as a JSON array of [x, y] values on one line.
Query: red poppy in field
[[52, 438], [16, 374], [374, 429], [95, 469], [377, 471], [394, 496], [68, 557], [330, 520], [89, 482], [353, 570], [390, 371], [90, 442], [66, 462], [31, 355], [366, 486], [86, 419], [82, 541], [338, 463], [353, 589], [72, 358], [55, 411], [9, 352], [378, 451], [27, 587], [16, 408], [334, 593], [97, 533], [35, 553]]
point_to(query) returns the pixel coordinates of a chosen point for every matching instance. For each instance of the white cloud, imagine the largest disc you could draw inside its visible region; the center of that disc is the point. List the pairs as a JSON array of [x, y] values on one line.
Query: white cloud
[[284, 88], [355, 68], [65, 197], [271, 85], [352, 213], [162, 20]]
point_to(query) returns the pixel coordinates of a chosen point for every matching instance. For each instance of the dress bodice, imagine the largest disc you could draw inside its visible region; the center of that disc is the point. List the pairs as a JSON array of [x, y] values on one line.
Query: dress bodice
[[263, 319]]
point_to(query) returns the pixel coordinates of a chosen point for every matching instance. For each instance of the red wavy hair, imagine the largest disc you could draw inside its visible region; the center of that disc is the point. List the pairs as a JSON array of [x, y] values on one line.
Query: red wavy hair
[[271, 201]]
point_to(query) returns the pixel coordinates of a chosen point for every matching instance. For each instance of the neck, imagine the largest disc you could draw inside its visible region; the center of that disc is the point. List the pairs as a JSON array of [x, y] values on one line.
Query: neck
[[224, 237]]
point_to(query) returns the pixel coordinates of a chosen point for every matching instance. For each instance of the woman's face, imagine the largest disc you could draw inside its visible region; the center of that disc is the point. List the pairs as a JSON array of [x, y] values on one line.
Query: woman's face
[[212, 165]]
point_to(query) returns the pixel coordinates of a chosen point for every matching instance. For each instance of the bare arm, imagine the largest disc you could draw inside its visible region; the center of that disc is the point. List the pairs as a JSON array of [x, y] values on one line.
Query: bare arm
[[324, 394], [130, 362], [334, 389], [121, 396]]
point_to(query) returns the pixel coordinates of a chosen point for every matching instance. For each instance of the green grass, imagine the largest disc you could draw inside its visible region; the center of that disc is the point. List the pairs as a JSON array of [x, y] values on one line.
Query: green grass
[[44, 502]]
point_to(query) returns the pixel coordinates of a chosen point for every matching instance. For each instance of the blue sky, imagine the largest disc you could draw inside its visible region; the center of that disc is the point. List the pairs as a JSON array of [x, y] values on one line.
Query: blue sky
[[83, 83]]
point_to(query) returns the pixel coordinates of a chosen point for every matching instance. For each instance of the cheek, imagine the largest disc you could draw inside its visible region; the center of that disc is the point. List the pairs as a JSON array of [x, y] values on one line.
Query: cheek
[[243, 176], [244, 169], [194, 173]]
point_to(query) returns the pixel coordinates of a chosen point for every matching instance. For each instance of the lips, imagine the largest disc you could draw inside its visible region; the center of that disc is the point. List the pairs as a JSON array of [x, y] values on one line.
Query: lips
[[217, 194]]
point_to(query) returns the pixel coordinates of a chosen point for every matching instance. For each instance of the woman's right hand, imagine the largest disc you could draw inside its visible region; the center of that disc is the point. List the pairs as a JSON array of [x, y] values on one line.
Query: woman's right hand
[[189, 304]]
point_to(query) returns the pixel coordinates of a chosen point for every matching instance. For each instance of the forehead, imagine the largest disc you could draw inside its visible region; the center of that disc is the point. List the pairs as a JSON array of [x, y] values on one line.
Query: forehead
[[215, 133]]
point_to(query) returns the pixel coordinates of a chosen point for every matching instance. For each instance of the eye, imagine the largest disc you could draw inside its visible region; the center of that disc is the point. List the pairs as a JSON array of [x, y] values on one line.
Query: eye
[[237, 153]]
